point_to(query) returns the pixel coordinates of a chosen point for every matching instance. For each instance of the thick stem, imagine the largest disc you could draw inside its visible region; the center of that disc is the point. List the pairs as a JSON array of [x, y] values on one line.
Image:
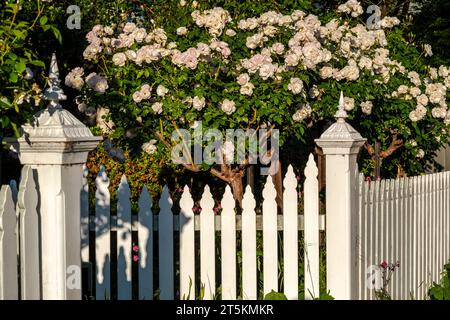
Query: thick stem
[[238, 189]]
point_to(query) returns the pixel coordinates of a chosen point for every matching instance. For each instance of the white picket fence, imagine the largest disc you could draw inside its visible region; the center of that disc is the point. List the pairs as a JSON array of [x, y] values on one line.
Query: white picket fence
[[405, 220], [227, 224]]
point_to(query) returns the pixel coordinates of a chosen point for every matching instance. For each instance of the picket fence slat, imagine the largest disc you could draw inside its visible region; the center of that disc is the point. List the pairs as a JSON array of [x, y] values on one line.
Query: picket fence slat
[[27, 201], [145, 241], [249, 284], [124, 241], [207, 245], [102, 236], [311, 241], [290, 234], [8, 246], [228, 245], [270, 243], [187, 247], [84, 213], [165, 244]]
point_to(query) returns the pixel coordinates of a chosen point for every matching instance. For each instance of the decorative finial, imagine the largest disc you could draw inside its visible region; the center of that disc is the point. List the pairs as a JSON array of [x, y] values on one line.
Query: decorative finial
[[54, 93], [341, 114]]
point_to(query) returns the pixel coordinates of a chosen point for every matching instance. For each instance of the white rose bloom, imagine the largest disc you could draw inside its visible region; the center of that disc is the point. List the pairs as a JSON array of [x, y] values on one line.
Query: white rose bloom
[[137, 96], [97, 83], [181, 31], [139, 34], [433, 73], [428, 50], [420, 154], [439, 112], [108, 30], [198, 103], [161, 90], [295, 85], [247, 89], [349, 103], [314, 92], [150, 147], [182, 3], [228, 106], [415, 92], [444, 72], [119, 59], [402, 89], [267, 70], [366, 107], [243, 79], [146, 91], [157, 107], [303, 113], [422, 100], [129, 27], [74, 78], [413, 116], [277, 48], [326, 72], [230, 32], [131, 55]]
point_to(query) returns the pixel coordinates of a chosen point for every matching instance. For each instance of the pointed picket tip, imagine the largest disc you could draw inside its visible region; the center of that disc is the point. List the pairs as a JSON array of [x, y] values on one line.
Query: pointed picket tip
[[207, 201], [186, 201], [102, 175], [311, 170], [248, 202], [227, 194], [165, 192], [228, 203], [269, 191], [290, 181], [124, 187], [145, 197]]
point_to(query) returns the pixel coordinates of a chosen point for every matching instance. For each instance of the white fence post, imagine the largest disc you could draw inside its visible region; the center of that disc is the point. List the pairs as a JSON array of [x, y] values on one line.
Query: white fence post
[[341, 144], [55, 146]]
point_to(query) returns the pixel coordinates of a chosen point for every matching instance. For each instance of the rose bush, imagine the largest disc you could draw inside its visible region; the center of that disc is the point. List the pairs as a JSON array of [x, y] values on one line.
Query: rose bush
[[242, 66]]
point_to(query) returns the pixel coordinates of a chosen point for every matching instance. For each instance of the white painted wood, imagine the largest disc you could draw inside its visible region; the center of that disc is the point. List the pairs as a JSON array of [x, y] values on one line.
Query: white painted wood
[[364, 232], [390, 227], [145, 240], [8, 246], [290, 230], [124, 241], [415, 212], [311, 256], [187, 247], [84, 212], [165, 233], [249, 284], [228, 244], [374, 229], [207, 245], [270, 249], [30, 270], [102, 236], [396, 238]]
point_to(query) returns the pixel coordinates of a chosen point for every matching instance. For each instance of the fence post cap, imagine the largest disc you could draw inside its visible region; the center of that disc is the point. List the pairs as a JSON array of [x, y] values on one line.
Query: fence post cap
[[54, 135], [340, 135]]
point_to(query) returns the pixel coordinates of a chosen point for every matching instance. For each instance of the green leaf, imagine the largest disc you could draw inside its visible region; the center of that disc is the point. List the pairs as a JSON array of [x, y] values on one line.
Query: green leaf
[[272, 295], [38, 63], [13, 77], [43, 20], [20, 66], [57, 34]]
